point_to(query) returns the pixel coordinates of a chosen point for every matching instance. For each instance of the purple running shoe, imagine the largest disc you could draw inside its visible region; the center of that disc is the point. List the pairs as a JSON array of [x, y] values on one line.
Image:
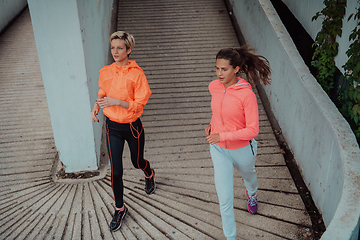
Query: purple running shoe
[[252, 204]]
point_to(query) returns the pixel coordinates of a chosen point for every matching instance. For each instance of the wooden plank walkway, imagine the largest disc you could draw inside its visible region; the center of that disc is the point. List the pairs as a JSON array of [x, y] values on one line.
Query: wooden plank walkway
[[176, 44]]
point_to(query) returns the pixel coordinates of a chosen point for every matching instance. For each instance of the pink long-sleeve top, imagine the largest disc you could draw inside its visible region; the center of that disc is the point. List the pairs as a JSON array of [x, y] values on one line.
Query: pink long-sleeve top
[[235, 114]]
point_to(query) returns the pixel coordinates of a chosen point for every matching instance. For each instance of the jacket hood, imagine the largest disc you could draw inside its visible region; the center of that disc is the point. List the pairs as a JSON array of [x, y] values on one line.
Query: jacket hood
[[241, 84], [132, 64]]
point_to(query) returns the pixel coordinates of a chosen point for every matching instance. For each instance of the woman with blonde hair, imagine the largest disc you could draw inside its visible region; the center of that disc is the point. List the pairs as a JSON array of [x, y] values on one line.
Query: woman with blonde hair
[[124, 91]]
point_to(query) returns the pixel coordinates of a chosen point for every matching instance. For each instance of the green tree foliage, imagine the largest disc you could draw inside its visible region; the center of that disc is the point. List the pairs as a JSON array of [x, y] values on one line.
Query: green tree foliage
[[350, 95], [326, 47]]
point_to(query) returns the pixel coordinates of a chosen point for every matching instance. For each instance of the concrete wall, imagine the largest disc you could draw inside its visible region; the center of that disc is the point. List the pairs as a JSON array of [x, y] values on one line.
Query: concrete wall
[[8, 10], [322, 142], [304, 10], [72, 40]]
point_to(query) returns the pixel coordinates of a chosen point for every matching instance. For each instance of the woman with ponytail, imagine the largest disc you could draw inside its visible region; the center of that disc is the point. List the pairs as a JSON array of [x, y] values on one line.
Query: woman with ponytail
[[233, 127]]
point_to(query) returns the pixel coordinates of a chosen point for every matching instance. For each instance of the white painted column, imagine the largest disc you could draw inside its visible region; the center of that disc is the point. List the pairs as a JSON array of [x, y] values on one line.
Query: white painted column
[[72, 43], [9, 10]]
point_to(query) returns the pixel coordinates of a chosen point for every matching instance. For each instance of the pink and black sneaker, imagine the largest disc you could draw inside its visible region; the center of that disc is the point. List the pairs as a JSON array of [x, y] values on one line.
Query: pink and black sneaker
[[252, 204]]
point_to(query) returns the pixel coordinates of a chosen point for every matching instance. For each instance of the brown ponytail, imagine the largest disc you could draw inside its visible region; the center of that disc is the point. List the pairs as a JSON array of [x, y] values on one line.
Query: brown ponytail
[[255, 67]]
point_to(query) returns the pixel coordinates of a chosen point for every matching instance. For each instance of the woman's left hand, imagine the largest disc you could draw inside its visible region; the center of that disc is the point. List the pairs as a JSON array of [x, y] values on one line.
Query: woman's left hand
[[213, 138], [108, 102]]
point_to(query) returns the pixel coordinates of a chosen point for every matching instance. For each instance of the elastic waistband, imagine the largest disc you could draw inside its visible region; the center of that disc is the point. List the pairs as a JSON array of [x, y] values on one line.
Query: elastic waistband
[[233, 144], [121, 125]]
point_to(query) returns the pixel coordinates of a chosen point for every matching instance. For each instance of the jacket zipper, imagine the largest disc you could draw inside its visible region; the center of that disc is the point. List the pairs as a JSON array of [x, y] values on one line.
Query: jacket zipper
[[221, 114]]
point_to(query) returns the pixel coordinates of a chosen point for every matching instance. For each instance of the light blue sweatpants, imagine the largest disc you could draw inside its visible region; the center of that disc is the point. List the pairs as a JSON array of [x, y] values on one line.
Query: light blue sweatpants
[[224, 160]]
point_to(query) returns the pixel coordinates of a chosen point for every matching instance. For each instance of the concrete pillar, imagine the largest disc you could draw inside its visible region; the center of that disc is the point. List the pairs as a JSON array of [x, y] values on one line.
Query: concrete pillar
[[9, 10], [72, 44]]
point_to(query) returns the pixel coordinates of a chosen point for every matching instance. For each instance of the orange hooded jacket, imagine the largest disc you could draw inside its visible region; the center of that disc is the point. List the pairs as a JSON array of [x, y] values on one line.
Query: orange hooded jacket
[[127, 83], [235, 114]]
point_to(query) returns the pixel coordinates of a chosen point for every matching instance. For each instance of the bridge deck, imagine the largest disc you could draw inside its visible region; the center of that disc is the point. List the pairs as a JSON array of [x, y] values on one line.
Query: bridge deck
[[176, 43]]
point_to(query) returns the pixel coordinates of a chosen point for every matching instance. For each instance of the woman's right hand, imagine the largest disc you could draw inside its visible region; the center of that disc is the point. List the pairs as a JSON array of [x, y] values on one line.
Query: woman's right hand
[[95, 112], [208, 130]]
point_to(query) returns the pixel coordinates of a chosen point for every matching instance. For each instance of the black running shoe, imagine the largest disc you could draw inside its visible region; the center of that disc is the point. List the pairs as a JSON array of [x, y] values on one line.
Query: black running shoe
[[117, 219], [150, 183]]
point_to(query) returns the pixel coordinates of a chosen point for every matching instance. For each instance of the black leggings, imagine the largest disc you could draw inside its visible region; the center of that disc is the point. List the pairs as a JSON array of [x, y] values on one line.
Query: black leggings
[[117, 134]]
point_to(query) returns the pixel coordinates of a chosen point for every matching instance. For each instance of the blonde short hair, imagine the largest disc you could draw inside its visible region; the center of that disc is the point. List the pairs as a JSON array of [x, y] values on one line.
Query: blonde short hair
[[128, 38]]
